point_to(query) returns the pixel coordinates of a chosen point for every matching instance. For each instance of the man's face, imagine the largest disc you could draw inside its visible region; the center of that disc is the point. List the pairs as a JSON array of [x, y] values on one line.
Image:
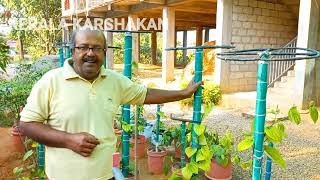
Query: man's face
[[88, 54]]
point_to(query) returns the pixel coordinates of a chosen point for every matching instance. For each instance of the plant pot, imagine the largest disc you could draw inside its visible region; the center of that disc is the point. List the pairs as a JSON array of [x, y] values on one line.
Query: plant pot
[[141, 146], [116, 158], [177, 152], [217, 172], [156, 161], [18, 139]]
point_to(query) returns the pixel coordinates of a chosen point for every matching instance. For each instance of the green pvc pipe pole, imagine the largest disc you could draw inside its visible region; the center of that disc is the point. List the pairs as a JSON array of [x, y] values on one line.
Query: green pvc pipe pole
[[197, 96], [183, 144], [126, 107], [61, 56], [158, 123], [260, 115], [268, 166], [41, 159], [68, 52]]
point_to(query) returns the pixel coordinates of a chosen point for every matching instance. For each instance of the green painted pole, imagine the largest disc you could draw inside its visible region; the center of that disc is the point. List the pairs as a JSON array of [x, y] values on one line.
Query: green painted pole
[[260, 116], [158, 123], [268, 166], [61, 56], [105, 61], [41, 159], [126, 107], [197, 95], [68, 52], [183, 144]]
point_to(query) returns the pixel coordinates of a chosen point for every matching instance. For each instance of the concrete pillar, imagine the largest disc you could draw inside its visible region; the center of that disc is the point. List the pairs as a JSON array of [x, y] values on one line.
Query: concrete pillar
[[199, 36], [306, 77], [185, 44], [154, 47], [132, 26], [224, 29], [206, 34], [168, 33], [109, 53]]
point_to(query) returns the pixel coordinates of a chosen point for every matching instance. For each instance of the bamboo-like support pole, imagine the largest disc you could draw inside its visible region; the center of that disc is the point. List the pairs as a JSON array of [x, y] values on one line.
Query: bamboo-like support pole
[[158, 123], [68, 52], [260, 116], [126, 107], [183, 144], [197, 95], [61, 56], [41, 158], [268, 165]]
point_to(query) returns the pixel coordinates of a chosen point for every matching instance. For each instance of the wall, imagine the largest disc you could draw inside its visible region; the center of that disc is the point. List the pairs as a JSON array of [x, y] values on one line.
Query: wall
[[257, 24]]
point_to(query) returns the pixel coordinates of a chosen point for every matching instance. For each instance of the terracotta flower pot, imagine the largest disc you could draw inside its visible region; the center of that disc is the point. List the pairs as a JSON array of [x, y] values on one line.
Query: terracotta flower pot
[[156, 161], [217, 172], [18, 139], [141, 146], [116, 157]]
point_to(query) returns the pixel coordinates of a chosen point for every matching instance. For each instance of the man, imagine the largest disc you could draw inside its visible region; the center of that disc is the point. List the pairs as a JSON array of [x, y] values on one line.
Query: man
[[71, 110]]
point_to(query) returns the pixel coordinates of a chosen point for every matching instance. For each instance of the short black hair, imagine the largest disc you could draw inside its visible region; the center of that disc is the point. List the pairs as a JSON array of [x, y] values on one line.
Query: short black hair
[[74, 34]]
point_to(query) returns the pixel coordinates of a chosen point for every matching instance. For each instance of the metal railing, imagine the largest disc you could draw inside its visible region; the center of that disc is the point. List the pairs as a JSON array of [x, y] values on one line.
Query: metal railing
[[277, 69]]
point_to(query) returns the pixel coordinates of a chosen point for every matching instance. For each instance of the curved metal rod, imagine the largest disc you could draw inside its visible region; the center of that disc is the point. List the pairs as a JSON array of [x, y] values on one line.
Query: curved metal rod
[[175, 118], [200, 47], [309, 54]]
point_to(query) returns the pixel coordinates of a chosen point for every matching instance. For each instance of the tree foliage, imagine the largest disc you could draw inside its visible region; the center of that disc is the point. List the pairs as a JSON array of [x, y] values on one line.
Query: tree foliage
[[4, 50], [36, 41]]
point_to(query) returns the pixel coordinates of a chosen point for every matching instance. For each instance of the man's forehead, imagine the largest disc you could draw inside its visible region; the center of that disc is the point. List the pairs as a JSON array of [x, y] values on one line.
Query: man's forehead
[[84, 35]]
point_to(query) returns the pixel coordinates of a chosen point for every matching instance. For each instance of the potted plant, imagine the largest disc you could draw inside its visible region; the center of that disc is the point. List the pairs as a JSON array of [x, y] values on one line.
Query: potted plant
[[274, 134], [30, 168], [141, 140], [220, 148], [157, 153]]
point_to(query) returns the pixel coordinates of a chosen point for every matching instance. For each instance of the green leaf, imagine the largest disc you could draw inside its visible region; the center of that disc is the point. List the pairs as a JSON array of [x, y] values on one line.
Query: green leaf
[[314, 114], [186, 173], [189, 137], [190, 169], [27, 155], [17, 171], [200, 156], [205, 150], [161, 114], [235, 159], [205, 165], [199, 129], [202, 140], [275, 156], [166, 168], [140, 128], [274, 133], [246, 165], [294, 115], [190, 152], [245, 144]]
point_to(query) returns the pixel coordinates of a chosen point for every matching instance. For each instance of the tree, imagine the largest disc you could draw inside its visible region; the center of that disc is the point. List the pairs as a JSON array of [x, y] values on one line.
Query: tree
[[36, 41], [4, 50]]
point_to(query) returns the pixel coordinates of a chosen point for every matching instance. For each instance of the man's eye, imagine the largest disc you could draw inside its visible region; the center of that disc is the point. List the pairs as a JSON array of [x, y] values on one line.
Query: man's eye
[[83, 48]]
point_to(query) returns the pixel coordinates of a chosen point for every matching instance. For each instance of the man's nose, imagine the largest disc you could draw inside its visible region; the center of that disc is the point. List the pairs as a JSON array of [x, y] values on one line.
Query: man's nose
[[90, 52]]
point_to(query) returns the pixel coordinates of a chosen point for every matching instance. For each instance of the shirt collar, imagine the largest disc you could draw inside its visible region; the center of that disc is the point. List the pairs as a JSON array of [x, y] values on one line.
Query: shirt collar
[[69, 72]]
